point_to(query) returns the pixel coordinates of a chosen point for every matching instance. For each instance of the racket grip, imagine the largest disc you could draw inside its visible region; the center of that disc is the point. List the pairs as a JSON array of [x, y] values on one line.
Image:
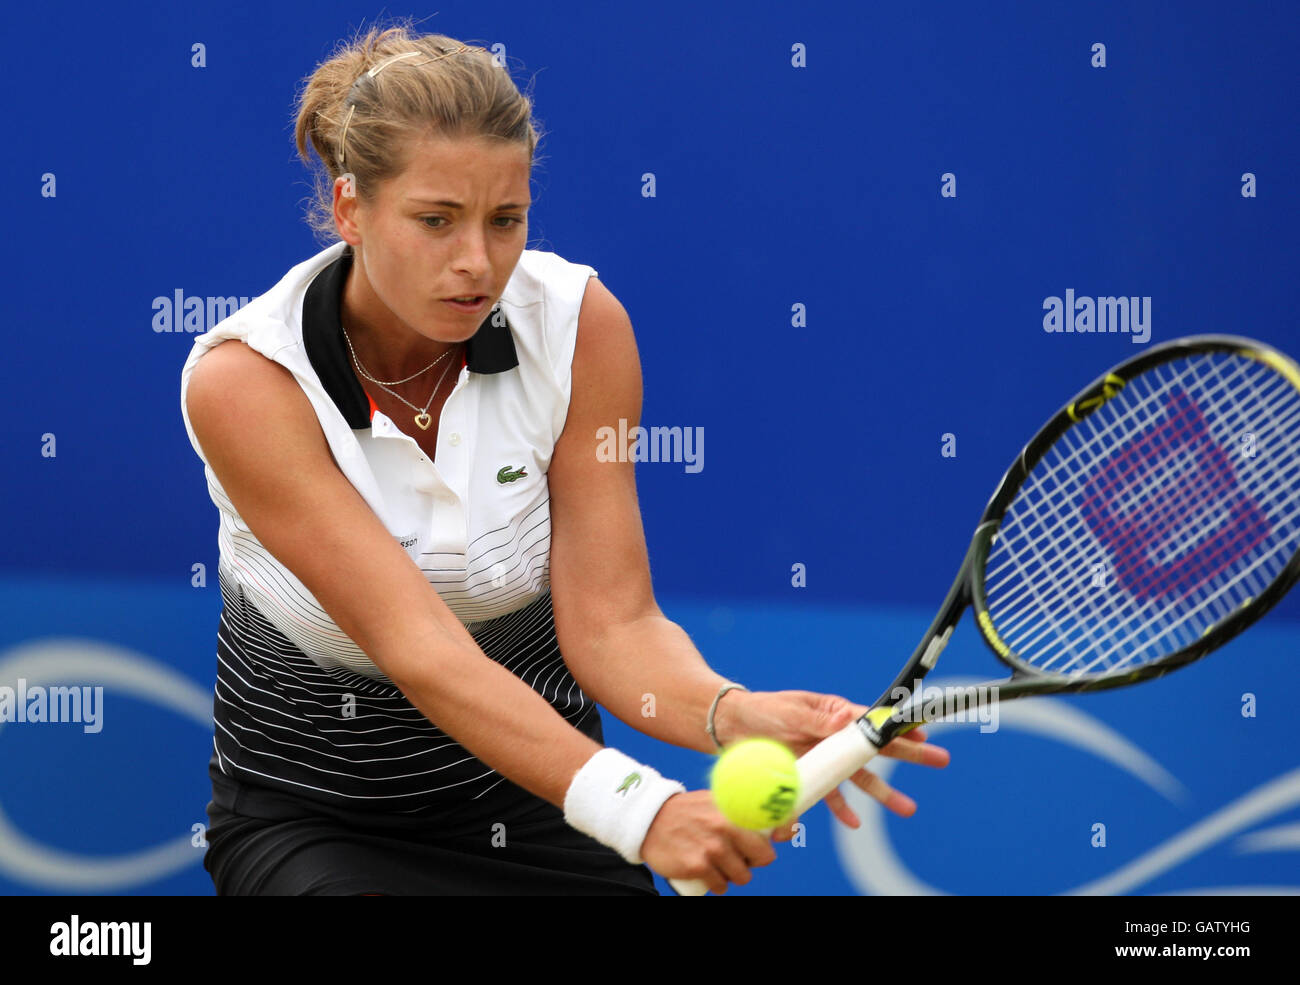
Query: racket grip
[[821, 769]]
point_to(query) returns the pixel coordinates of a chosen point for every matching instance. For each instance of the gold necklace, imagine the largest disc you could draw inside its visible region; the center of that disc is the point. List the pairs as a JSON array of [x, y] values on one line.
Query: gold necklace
[[422, 418]]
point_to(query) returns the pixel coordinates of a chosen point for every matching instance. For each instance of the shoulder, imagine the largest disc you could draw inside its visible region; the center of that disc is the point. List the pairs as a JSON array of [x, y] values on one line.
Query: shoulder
[[270, 328], [564, 313], [269, 323], [543, 276], [606, 381], [601, 310], [232, 366], [605, 342], [234, 391], [543, 273]]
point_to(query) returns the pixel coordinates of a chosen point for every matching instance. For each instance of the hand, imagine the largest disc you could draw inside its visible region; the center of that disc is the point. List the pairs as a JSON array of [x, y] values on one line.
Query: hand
[[801, 719], [689, 839]]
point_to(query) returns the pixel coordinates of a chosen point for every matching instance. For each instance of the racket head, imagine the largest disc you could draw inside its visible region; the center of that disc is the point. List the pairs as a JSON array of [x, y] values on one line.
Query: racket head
[[1151, 520]]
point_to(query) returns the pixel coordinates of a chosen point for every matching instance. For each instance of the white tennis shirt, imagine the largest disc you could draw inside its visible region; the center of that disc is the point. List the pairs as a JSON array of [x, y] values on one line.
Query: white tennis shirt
[[477, 523]]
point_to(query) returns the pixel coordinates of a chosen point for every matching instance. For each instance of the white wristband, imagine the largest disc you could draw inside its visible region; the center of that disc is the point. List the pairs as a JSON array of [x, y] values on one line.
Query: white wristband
[[614, 799]]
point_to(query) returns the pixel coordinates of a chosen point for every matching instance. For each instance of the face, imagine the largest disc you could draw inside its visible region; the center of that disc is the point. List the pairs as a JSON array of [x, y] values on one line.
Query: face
[[452, 225]]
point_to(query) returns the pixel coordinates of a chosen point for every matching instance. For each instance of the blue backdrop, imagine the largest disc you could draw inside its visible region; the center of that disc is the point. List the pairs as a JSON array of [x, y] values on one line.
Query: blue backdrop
[[835, 228]]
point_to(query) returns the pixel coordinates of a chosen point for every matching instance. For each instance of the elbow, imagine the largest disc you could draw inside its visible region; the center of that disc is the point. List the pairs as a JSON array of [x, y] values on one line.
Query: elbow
[[428, 662]]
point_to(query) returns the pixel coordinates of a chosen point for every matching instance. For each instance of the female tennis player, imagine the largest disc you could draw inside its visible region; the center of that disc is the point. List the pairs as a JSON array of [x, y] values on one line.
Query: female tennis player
[[429, 578]]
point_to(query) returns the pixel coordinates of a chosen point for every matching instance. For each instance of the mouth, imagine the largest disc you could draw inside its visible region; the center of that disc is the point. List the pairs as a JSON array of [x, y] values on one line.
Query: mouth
[[469, 304]]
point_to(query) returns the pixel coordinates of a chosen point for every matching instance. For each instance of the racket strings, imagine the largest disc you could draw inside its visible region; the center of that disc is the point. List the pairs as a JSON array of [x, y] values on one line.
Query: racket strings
[[1125, 571], [1069, 523], [1041, 479], [1226, 547], [1217, 558], [1030, 486], [1237, 511], [1151, 519]]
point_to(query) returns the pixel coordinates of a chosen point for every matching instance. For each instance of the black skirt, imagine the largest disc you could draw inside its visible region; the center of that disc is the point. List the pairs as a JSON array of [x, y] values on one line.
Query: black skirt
[[264, 841]]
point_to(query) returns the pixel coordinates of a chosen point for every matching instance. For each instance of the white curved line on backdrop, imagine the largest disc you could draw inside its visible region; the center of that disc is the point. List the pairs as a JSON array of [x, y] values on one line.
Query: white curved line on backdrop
[[1283, 839], [874, 866], [67, 661], [1264, 801]]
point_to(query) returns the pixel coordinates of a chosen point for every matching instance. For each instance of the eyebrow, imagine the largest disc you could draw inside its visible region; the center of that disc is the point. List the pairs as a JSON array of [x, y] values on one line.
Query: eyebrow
[[457, 205]]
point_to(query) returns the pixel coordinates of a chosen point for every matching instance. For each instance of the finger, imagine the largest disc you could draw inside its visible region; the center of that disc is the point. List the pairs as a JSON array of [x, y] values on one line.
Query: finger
[[733, 865], [878, 789], [702, 869], [841, 809], [756, 849], [921, 753], [785, 833], [716, 880]]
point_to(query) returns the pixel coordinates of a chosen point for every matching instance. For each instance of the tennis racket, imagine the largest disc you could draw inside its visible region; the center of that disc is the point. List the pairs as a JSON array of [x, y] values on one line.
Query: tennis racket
[[1151, 520]]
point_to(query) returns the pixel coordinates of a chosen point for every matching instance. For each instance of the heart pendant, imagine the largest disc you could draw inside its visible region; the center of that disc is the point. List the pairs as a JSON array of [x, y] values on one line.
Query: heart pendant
[[422, 420]]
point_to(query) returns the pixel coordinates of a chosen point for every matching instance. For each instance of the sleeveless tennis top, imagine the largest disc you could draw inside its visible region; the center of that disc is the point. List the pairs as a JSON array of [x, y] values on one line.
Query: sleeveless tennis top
[[299, 708]]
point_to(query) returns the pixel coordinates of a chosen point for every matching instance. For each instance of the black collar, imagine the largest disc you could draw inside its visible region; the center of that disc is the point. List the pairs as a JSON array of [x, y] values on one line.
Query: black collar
[[489, 350]]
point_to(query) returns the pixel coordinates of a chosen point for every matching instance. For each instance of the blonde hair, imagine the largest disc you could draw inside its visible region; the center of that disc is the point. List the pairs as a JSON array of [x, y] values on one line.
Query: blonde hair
[[369, 121]]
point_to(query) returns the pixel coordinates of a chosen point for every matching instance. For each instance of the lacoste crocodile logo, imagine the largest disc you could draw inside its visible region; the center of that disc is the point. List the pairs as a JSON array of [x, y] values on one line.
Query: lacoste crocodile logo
[[506, 474], [630, 783]]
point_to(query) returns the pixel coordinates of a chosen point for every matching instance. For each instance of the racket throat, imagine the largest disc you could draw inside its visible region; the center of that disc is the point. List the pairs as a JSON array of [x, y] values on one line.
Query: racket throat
[[935, 648]]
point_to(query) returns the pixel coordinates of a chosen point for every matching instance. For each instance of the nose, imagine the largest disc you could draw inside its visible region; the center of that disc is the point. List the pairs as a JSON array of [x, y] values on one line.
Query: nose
[[471, 257]]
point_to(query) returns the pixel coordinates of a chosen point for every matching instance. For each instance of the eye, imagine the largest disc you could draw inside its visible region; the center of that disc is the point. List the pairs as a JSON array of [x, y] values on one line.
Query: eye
[[508, 223]]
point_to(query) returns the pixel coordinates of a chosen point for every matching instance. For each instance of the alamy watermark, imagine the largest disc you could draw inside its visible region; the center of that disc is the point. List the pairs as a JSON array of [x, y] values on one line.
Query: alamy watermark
[[971, 703], [1128, 315], [102, 939], [654, 444], [192, 314], [24, 705]]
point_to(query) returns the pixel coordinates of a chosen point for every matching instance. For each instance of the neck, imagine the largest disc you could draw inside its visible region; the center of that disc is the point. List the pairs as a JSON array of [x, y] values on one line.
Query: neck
[[388, 349]]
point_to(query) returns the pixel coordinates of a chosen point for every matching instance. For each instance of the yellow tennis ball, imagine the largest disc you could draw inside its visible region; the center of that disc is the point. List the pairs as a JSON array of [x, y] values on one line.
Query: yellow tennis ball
[[755, 783]]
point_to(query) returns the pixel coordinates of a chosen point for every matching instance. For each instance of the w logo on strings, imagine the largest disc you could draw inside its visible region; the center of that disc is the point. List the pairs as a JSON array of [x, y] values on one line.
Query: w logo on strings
[[1170, 507]]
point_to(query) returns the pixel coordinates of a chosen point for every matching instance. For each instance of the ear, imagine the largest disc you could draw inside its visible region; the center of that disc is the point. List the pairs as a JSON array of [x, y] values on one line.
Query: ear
[[346, 205]]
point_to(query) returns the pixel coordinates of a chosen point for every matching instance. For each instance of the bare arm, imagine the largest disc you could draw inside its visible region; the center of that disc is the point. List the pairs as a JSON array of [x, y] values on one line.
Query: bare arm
[[621, 648]]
